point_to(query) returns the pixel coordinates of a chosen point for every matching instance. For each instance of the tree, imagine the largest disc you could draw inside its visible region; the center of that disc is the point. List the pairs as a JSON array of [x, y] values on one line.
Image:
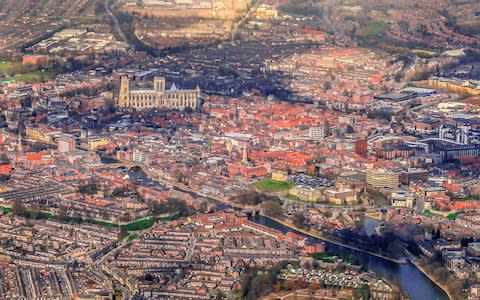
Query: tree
[[219, 295], [289, 285], [18, 208], [4, 160], [63, 212], [180, 177], [203, 207], [301, 283], [88, 189], [171, 206], [277, 287], [307, 265], [254, 198], [313, 285], [327, 86], [272, 209], [148, 277], [365, 291], [465, 241], [123, 231], [299, 220], [350, 129]]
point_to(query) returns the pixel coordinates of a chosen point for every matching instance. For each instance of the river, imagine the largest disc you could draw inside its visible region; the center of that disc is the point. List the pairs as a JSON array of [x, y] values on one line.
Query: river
[[407, 276]]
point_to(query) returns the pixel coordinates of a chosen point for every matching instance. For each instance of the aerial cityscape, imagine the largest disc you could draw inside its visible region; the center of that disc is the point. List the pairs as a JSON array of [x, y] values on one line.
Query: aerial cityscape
[[240, 149]]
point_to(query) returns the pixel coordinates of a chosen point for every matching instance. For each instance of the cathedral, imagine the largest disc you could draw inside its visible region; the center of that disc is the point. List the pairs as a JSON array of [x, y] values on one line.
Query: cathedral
[[158, 97]]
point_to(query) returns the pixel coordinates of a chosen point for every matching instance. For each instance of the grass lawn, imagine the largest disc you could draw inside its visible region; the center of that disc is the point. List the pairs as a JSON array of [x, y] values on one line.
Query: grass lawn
[[292, 197], [140, 224], [6, 210], [424, 52], [453, 216], [323, 255], [132, 237], [272, 186], [468, 197], [427, 212], [35, 76], [6, 66], [374, 29], [100, 223], [147, 222]]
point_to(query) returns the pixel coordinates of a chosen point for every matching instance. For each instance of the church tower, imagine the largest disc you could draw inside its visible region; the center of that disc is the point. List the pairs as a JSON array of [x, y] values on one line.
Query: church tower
[[229, 147], [20, 145], [245, 156], [123, 97], [159, 84]]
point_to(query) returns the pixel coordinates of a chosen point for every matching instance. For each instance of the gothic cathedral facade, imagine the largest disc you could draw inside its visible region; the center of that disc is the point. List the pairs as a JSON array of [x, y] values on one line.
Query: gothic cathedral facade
[[158, 97]]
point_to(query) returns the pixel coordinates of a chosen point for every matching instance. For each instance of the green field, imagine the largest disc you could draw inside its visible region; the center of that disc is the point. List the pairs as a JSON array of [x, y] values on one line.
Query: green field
[[7, 66], [273, 186], [374, 29], [32, 77]]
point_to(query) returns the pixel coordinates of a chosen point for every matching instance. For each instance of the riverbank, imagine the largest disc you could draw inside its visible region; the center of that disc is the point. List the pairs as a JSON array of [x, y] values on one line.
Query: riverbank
[[186, 189], [432, 278], [332, 241]]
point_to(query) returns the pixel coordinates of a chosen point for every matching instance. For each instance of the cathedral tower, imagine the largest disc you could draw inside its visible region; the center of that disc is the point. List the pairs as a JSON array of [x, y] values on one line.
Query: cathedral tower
[[159, 84], [123, 96]]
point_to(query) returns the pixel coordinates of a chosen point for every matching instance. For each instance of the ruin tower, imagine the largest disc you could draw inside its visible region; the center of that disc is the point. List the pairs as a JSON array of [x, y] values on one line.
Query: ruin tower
[[123, 96]]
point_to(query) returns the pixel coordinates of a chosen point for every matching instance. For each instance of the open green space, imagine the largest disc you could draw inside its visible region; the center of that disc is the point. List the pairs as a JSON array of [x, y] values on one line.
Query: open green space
[[141, 224], [13, 70], [33, 77], [8, 66], [424, 52], [453, 216], [292, 197], [148, 222], [132, 237], [6, 210], [101, 223], [468, 197], [374, 29], [272, 186], [427, 212], [329, 257]]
